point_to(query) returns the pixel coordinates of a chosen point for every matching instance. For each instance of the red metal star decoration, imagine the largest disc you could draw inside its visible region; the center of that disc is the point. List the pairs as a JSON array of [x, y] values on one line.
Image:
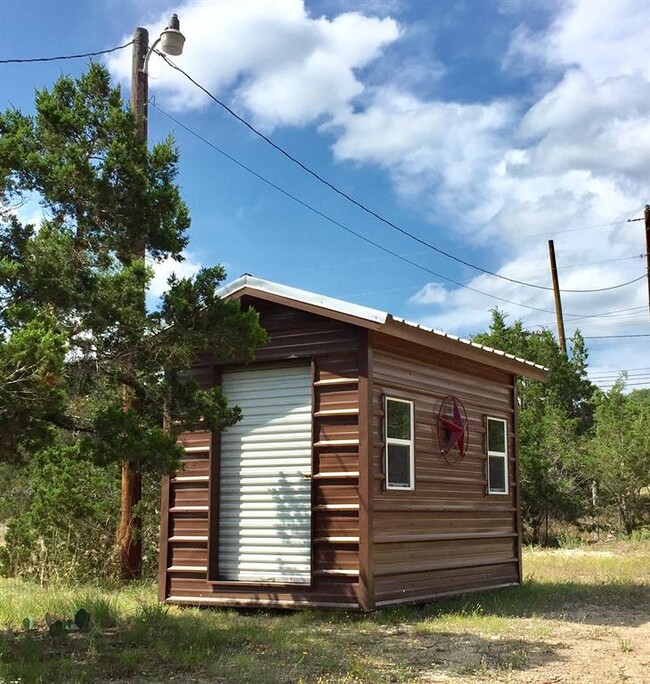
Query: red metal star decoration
[[452, 428]]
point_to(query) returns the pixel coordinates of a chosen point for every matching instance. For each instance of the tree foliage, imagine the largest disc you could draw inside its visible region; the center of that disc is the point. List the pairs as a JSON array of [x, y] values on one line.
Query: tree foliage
[[576, 441], [552, 416], [85, 367], [74, 332], [65, 524], [618, 454]]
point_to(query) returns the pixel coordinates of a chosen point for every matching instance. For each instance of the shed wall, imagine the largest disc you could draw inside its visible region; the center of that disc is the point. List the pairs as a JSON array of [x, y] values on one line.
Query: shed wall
[[189, 529], [448, 535]]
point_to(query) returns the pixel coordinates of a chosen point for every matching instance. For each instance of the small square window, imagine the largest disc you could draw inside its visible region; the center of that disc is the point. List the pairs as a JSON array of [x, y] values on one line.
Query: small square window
[[497, 455], [399, 443]]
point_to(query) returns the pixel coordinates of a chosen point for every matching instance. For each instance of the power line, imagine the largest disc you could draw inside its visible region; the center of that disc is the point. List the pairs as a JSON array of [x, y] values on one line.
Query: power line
[[615, 312], [62, 57], [621, 322], [643, 383], [628, 381], [341, 192], [595, 330], [575, 230], [601, 261], [621, 370], [608, 337], [338, 223], [324, 216], [604, 289], [633, 311], [584, 263], [362, 206], [630, 371], [614, 376]]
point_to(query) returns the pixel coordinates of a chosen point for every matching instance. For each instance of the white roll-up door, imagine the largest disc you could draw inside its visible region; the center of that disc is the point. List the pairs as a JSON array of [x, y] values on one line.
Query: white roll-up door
[[265, 490]]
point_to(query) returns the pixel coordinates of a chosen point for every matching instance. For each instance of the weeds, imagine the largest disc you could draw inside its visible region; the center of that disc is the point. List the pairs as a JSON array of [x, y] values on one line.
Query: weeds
[[626, 646]]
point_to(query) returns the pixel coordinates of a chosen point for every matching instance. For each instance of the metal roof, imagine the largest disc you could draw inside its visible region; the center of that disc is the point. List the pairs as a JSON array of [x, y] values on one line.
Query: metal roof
[[355, 310], [305, 297]]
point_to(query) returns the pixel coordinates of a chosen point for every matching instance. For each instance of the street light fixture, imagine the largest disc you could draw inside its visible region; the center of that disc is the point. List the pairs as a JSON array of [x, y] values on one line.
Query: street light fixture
[[171, 41]]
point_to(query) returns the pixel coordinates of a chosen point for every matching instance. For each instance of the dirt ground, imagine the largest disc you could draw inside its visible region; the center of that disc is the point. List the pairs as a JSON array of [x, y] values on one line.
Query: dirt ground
[[594, 647]]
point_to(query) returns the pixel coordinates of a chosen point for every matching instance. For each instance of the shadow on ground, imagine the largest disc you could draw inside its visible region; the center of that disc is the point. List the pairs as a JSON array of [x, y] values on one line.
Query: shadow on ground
[[586, 603], [459, 636], [233, 647]]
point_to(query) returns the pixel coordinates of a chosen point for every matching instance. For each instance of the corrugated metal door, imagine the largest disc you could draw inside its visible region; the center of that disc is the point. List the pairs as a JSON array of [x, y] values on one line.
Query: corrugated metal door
[[265, 491]]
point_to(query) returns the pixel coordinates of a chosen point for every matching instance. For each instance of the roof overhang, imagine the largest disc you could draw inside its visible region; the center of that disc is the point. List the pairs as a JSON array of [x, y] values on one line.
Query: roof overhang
[[302, 299], [380, 321]]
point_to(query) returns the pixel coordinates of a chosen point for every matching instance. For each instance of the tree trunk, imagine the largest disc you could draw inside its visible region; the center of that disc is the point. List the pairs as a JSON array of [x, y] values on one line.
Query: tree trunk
[[129, 535]]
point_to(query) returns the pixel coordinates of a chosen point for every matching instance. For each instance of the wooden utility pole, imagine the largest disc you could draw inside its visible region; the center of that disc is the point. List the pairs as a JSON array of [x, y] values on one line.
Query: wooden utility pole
[[647, 247], [140, 80], [129, 535], [558, 300]]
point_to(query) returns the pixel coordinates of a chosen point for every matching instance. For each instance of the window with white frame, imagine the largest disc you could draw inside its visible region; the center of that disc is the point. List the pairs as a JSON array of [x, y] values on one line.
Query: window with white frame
[[399, 443], [497, 455]]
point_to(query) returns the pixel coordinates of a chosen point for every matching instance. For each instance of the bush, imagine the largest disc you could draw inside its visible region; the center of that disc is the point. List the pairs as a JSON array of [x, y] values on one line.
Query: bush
[[62, 522]]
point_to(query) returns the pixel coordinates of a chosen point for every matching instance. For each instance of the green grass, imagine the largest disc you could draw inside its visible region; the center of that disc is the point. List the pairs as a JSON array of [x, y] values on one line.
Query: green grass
[[133, 638]]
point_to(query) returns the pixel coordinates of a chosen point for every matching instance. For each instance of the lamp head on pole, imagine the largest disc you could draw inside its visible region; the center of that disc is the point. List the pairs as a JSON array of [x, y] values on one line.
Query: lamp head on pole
[[171, 39]]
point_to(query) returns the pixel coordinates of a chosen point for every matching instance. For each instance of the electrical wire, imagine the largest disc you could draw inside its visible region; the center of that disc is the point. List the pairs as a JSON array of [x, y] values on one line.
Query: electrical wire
[[633, 376], [616, 312], [633, 311], [341, 192], [575, 230], [609, 337], [324, 216], [620, 370], [643, 383], [29, 60], [362, 206], [618, 330], [584, 263], [319, 213]]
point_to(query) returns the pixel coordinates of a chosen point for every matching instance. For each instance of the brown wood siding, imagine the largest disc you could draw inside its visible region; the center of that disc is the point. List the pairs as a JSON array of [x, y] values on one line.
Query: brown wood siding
[[448, 535], [334, 349]]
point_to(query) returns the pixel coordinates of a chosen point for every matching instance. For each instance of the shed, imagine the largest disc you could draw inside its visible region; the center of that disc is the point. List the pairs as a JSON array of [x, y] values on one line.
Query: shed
[[375, 464]]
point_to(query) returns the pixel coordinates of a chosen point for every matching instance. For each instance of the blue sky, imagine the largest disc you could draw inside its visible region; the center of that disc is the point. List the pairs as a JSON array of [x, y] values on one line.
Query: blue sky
[[483, 128]]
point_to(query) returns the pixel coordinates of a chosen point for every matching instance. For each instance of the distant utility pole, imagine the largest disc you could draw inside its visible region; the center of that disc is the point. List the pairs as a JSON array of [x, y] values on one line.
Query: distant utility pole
[[647, 247], [558, 300]]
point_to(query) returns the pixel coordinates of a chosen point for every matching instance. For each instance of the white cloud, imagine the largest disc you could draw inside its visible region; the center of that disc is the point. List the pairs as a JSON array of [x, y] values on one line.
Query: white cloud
[[427, 145], [503, 173], [431, 293], [164, 269], [510, 173], [286, 67], [30, 212], [600, 37], [602, 127]]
